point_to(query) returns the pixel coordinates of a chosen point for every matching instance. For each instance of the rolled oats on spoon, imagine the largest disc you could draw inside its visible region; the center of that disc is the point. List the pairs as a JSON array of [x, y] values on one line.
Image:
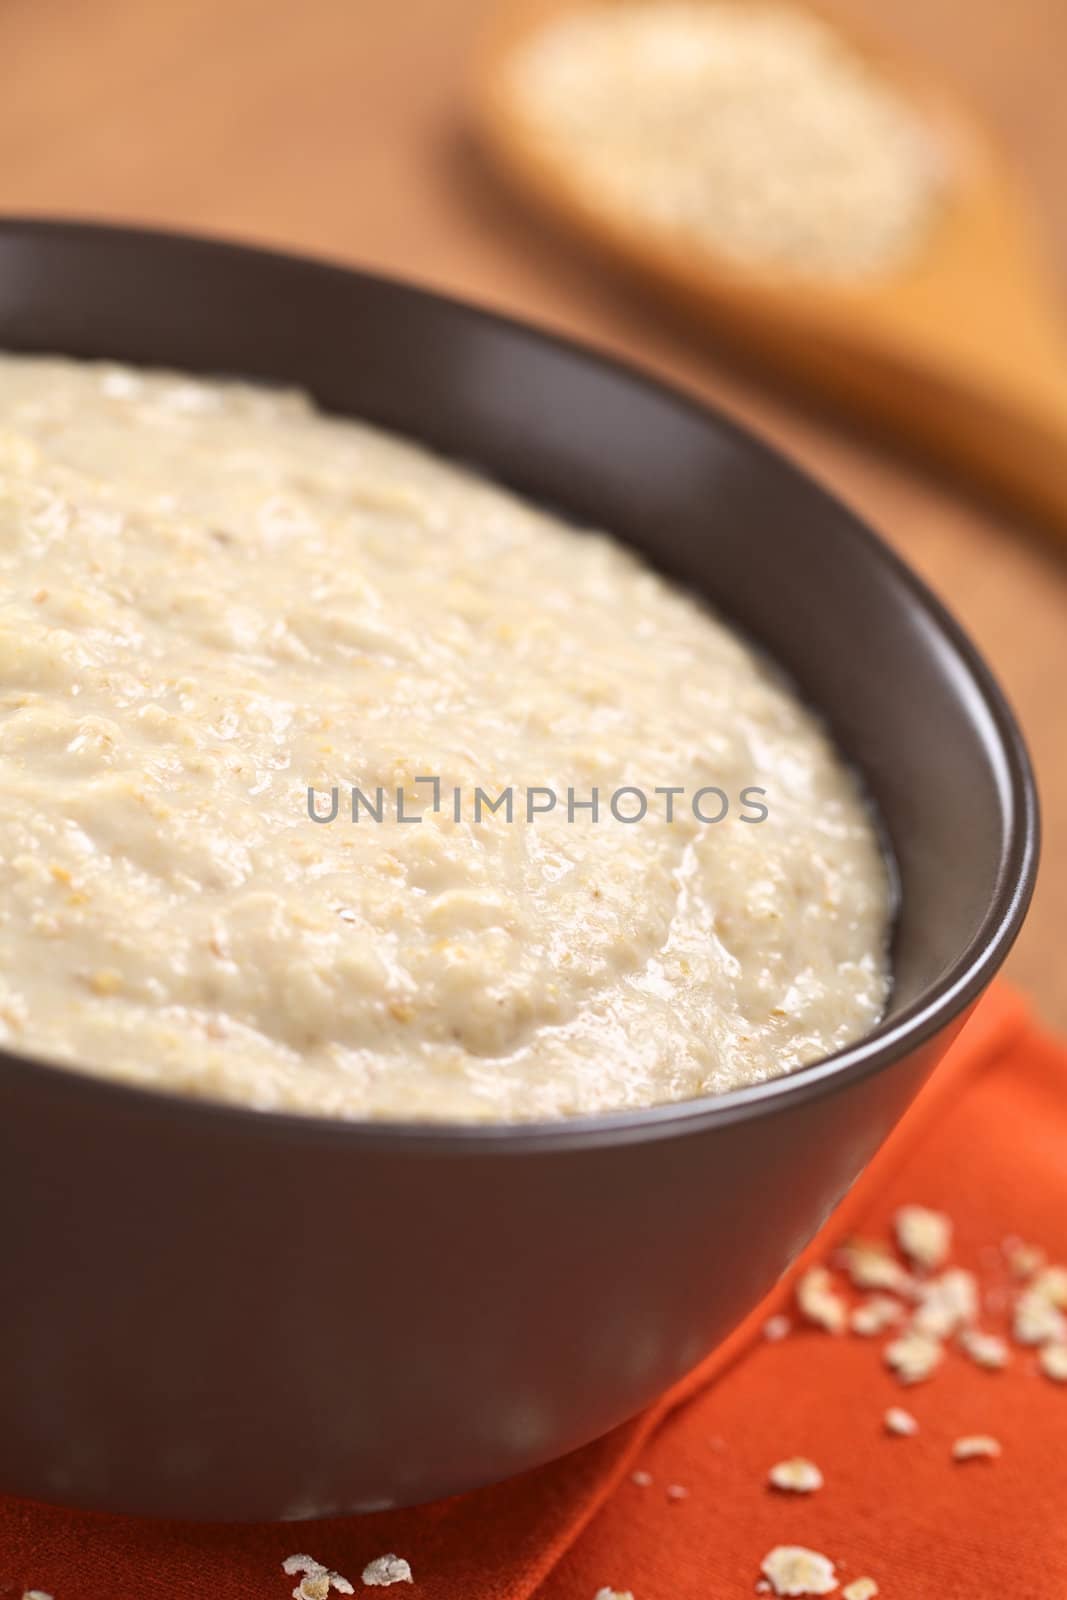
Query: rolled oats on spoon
[[755, 132]]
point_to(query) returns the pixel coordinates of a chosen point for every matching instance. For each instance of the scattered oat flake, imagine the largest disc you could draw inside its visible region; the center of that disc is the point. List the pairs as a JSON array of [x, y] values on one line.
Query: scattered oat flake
[[947, 1303], [641, 1478], [1052, 1359], [798, 1475], [900, 1422], [975, 1447], [871, 1266], [315, 1586], [875, 1315], [35, 1594], [776, 1328], [819, 1301], [1051, 1285], [1023, 1259], [677, 1491], [317, 1580], [913, 1356], [860, 1589], [985, 1349], [925, 1236], [795, 1570], [385, 1570], [614, 1594], [1037, 1320]]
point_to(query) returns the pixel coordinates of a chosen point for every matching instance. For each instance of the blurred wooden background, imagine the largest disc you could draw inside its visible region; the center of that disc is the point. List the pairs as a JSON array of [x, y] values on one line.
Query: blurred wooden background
[[337, 126]]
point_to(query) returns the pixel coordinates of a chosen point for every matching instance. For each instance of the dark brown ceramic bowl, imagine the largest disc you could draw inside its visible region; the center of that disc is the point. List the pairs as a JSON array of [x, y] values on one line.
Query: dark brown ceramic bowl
[[210, 1312]]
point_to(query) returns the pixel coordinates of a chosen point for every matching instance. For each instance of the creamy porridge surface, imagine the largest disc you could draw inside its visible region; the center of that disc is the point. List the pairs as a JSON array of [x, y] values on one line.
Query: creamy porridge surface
[[213, 597]]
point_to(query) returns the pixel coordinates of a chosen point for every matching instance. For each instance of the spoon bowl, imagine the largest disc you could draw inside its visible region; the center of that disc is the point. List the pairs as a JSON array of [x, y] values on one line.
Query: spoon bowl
[[962, 352]]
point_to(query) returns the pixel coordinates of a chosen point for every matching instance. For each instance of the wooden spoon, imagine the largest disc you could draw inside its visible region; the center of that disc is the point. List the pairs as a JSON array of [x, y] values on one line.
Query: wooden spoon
[[963, 353]]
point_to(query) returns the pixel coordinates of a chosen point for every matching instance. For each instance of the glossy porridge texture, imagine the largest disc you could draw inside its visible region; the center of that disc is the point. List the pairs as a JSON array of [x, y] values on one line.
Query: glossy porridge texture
[[213, 597]]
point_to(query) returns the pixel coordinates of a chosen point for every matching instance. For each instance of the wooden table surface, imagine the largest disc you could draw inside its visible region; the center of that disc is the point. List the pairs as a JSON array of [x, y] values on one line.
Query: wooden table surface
[[337, 126]]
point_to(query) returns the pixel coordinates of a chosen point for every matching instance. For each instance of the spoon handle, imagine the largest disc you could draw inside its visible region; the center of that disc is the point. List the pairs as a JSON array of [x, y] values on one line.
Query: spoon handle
[[999, 420], [1014, 440], [969, 362]]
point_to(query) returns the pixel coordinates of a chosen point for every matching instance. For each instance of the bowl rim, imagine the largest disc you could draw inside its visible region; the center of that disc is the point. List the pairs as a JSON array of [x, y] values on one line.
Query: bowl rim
[[958, 987]]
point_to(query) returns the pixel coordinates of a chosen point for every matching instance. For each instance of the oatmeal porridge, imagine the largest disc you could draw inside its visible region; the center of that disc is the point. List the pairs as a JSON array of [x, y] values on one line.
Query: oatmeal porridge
[[217, 599]]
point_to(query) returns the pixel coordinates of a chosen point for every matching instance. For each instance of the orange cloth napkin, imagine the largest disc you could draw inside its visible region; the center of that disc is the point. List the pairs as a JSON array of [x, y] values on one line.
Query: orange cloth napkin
[[987, 1143]]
